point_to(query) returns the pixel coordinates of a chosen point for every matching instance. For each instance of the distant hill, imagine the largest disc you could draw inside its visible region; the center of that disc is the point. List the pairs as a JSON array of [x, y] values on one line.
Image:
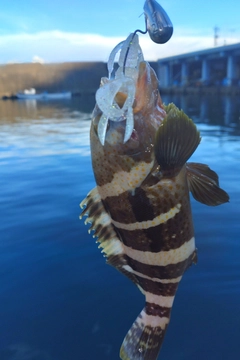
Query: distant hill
[[83, 77], [75, 77]]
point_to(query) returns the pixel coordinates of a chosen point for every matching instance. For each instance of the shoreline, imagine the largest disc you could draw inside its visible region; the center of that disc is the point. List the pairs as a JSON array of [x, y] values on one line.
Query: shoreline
[[232, 91]]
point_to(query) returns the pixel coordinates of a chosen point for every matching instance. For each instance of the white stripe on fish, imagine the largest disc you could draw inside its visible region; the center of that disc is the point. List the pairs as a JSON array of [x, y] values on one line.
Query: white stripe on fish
[[153, 321], [162, 258], [162, 281], [160, 219], [125, 181]]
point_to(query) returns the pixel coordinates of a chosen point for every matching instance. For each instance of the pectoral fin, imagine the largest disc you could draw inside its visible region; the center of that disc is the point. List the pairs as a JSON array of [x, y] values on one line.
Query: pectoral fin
[[204, 186], [176, 140]]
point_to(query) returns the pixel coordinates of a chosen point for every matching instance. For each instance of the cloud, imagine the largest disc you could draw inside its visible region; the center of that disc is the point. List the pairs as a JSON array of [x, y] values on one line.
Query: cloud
[[37, 59], [59, 46]]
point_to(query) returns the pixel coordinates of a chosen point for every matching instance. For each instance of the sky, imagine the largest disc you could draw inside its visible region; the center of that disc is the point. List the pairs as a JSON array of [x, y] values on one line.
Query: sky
[[87, 30]]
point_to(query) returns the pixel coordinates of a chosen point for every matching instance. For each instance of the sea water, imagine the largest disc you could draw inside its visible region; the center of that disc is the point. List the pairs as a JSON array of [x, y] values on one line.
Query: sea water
[[58, 299]]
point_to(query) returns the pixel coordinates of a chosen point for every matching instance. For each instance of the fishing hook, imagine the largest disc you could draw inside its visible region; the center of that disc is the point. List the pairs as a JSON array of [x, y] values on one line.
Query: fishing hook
[[157, 24]]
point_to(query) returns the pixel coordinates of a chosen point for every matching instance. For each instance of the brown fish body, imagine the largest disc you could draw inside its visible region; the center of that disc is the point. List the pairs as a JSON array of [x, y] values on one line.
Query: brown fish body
[[140, 210]]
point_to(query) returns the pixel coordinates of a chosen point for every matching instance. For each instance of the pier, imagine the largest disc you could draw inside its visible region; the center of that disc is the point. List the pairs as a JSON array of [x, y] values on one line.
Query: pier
[[213, 69]]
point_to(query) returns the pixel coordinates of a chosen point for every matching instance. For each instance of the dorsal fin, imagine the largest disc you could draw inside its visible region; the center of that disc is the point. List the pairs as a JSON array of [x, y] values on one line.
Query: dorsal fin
[[176, 140]]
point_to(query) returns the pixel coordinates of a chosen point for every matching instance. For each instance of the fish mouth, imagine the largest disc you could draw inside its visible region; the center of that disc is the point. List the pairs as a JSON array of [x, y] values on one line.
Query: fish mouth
[[116, 132], [147, 94], [146, 113]]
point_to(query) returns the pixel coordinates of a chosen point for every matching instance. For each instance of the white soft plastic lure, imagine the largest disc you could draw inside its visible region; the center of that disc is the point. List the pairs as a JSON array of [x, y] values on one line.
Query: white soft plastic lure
[[124, 80]]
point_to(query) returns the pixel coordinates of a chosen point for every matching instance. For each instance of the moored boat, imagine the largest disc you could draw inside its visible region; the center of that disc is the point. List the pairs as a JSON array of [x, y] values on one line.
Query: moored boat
[[31, 94]]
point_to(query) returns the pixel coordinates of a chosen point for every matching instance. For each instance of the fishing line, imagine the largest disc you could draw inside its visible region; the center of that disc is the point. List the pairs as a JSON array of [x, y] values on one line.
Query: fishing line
[[130, 43]]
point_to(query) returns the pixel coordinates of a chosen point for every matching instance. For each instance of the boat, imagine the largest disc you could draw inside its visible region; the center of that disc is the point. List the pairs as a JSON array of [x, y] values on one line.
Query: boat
[[31, 94]]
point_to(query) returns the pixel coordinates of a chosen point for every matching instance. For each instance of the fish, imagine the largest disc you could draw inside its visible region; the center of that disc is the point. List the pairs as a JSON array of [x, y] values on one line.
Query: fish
[[140, 210]]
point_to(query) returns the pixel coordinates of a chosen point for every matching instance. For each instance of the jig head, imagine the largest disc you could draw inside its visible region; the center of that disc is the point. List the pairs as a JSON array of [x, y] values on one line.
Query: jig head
[[158, 24]]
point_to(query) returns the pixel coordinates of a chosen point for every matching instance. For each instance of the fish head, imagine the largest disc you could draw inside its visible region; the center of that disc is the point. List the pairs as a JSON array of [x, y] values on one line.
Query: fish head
[[148, 113]]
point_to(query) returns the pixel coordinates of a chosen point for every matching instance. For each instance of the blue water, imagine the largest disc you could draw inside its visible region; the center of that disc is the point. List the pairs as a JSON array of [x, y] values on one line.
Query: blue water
[[58, 299]]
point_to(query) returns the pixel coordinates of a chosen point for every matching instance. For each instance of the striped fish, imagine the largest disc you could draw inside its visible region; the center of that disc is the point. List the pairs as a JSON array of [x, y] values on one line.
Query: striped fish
[[140, 210]]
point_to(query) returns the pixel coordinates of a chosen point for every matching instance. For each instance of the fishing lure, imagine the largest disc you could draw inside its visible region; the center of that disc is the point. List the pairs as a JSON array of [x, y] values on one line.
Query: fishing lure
[[160, 29], [124, 81], [158, 23]]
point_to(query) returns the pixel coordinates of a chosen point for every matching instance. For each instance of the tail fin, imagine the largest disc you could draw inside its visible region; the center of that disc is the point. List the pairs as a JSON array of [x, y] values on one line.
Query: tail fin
[[144, 339]]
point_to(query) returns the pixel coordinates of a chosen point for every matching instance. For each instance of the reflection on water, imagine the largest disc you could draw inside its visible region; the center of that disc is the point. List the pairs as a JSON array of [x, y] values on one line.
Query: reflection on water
[[215, 110], [43, 128], [58, 300], [30, 109]]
